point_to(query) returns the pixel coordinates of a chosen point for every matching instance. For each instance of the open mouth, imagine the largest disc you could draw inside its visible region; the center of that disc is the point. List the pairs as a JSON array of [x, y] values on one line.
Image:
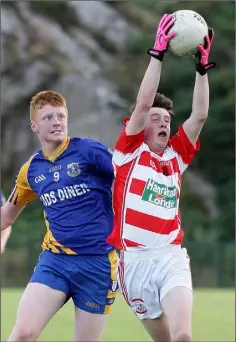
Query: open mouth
[[162, 134]]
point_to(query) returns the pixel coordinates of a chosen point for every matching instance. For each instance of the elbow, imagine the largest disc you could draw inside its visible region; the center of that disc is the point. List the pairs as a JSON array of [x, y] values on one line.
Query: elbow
[[203, 118], [143, 105], [200, 116]]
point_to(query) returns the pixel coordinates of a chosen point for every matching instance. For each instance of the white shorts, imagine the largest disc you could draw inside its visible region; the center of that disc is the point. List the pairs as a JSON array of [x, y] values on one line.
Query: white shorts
[[145, 277]]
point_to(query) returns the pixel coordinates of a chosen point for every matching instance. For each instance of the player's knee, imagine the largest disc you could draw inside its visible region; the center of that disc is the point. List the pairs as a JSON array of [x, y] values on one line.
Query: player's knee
[[24, 333], [182, 336]]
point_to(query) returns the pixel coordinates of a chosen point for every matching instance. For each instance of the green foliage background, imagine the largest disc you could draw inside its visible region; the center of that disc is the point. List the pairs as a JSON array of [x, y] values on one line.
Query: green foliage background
[[215, 162]]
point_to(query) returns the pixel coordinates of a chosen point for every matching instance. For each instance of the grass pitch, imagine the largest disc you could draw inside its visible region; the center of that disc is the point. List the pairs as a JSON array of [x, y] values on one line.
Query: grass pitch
[[213, 318]]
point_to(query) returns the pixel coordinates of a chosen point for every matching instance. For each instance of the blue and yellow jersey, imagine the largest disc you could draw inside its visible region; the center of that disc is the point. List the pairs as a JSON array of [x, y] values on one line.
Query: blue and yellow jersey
[[74, 186]]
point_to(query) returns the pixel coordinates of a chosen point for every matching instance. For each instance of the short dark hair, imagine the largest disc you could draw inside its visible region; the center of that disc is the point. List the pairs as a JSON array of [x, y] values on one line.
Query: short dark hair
[[160, 101]]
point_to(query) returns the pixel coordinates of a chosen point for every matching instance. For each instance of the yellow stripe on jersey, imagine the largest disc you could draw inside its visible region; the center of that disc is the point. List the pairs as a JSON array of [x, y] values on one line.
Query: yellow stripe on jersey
[[22, 193], [46, 245], [50, 242], [58, 151], [113, 258]]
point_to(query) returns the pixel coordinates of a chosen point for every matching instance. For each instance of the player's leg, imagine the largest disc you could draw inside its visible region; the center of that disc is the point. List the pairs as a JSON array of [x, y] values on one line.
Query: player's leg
[[176, 296], [88, 326], [141, 293], [45, 294], [177, 305], [157, 328], [94, 289], [37, 305]]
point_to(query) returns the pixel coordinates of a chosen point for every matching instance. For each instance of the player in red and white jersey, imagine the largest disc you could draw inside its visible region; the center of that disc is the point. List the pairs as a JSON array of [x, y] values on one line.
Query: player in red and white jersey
[[147, 187], [154, 273]]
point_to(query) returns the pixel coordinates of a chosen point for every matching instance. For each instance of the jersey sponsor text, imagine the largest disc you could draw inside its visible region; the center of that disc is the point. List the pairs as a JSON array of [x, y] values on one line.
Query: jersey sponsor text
[[64, 193]]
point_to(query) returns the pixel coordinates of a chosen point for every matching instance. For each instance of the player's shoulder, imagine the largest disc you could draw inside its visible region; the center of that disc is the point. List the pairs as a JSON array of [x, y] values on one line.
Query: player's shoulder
[[25, 165], [87, 143]]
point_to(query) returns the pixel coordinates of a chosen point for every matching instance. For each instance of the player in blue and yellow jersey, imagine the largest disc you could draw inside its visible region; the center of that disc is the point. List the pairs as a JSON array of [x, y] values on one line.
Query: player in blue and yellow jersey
[[73, 179], [6, 232]]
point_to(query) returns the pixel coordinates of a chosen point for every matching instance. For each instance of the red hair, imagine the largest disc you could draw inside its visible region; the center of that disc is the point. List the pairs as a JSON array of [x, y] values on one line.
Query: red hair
[[43, 98]]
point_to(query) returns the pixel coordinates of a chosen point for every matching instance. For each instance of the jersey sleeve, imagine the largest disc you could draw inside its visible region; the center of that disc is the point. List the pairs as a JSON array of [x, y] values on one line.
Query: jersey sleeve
[[183, 148], [22, 193], [127, 147], [99, 156]]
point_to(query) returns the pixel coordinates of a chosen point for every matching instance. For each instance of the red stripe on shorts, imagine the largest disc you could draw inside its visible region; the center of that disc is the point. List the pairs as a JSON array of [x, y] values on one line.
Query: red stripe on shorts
[[121, 270]]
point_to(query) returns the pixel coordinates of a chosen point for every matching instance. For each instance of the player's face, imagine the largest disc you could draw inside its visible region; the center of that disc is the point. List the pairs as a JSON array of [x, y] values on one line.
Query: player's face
[[157, 131], [51, 123]]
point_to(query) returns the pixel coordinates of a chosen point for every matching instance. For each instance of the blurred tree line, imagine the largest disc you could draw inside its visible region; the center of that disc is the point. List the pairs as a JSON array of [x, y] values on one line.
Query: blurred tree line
[[215, 162]]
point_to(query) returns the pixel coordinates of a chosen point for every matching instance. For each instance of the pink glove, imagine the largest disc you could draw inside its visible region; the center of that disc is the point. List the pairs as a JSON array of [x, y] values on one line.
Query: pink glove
[[162, 37], [202, 65]]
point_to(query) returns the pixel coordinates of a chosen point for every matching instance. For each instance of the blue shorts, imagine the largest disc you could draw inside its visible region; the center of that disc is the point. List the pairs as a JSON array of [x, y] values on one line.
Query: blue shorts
[[90, 281]]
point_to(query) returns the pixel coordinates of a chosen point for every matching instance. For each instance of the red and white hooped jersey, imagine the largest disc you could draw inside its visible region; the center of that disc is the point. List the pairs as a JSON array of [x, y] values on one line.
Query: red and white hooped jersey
[[147, 191]]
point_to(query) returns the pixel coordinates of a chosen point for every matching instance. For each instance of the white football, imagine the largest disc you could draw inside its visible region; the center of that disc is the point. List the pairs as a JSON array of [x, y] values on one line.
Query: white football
[[190, 28]]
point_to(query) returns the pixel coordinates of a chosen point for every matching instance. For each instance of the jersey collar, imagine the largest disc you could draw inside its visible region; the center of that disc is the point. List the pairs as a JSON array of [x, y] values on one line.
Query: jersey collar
[[58, 151]]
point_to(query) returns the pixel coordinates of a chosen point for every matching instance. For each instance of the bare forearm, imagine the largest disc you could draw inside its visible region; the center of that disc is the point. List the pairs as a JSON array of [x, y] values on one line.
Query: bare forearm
[[151, 79], [200, 104], [9, 214], [5, 234], [5, 222], [194, 124], [145, 98], [150, 83]]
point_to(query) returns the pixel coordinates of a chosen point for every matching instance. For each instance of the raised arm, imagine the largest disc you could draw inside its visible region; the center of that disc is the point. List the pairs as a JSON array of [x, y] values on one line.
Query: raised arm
[[151, 78], [200, 105]]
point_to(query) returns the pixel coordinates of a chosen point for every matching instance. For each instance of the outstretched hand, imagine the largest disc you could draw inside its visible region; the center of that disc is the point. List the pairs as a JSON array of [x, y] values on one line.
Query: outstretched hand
[[162, 37], [201, 57]]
